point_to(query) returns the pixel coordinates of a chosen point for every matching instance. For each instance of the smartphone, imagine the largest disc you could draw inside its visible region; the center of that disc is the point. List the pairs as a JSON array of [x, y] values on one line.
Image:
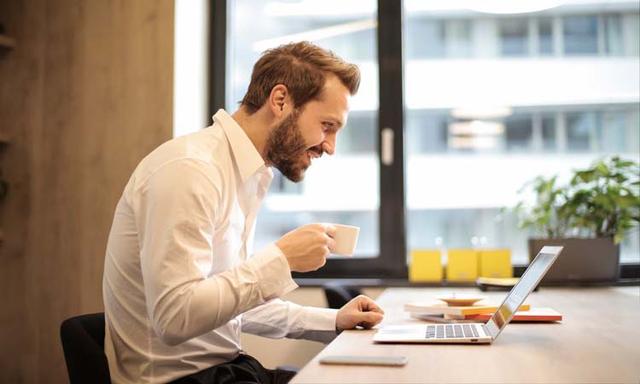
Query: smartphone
[[395, 361]]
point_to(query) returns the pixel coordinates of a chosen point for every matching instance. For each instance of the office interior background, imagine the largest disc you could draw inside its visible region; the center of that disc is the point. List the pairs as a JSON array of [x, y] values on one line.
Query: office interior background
[[492, 97]]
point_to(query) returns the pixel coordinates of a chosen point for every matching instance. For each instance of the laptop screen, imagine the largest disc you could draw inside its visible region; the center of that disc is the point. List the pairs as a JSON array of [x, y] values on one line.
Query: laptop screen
[[531, 277]]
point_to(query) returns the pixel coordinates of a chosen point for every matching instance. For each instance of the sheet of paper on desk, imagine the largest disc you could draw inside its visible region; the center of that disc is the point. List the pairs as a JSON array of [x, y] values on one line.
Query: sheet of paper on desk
[[440, 318]]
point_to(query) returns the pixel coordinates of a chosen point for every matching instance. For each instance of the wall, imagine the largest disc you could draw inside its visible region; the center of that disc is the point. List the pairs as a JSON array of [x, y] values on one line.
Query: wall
[[86, 93]]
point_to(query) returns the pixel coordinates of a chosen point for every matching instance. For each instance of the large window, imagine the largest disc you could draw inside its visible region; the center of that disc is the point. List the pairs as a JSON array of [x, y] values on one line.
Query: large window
[[344, 188], [536, 97], [332, 191], [471, 104]]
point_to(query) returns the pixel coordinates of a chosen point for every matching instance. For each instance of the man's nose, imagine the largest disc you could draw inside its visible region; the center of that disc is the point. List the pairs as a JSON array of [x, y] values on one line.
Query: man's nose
[[329, 145]]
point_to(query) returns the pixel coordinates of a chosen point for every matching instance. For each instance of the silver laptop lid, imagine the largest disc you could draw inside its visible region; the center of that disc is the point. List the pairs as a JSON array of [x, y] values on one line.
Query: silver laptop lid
[[529, 280]]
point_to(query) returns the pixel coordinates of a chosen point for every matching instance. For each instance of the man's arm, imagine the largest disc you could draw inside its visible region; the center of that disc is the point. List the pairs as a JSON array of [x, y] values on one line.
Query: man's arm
[[176, 210], [277, 319]]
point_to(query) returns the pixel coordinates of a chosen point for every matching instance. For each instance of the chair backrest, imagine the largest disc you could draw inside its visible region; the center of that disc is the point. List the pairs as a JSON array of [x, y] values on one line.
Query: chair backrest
[[339, 294], [83, 344]]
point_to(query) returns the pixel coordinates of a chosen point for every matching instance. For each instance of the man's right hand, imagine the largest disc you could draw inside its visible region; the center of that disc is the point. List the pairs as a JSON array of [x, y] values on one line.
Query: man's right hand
[[306, 248]]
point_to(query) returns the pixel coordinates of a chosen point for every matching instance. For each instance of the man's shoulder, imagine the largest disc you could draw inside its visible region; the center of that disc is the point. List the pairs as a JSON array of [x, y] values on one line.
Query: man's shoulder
[[208, 145], [204, 151]]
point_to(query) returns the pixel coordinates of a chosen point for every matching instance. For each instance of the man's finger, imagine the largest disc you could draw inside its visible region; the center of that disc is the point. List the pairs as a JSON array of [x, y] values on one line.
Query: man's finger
[[366, 304], [330, 230], [331, 244], [369, 319], [372, 306]]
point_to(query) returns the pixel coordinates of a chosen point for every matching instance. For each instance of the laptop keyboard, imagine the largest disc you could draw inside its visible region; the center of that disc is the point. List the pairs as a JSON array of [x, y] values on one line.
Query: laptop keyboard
[[447, 331]]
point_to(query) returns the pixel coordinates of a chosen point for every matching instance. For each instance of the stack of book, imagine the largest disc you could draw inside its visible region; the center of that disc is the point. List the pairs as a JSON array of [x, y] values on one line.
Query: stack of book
[[441, 312]]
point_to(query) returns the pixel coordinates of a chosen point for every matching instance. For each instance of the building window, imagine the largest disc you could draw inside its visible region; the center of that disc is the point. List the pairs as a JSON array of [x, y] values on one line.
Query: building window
[[580, 35], [519, 130], [612, 35], [581, 129], [549, 133], [545, 36], [514, 37]]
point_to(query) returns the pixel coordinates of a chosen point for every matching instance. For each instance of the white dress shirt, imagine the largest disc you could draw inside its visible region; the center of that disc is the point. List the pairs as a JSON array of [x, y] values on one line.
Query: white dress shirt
[[179, 281]]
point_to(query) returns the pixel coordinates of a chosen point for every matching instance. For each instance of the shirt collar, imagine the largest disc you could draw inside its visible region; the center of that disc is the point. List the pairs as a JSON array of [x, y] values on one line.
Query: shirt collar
[[247, 157]]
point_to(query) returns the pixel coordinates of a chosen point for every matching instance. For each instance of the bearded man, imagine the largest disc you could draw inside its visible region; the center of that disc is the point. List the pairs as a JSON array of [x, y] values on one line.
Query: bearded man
[[180, 283]]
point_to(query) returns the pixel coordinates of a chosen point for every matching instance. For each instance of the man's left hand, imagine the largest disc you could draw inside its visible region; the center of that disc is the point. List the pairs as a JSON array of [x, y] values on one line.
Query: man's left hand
[[360, 311]]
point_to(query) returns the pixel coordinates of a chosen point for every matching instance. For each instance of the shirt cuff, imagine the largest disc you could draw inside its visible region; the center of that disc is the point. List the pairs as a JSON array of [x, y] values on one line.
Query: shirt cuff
[[320, 319], [273, 272]]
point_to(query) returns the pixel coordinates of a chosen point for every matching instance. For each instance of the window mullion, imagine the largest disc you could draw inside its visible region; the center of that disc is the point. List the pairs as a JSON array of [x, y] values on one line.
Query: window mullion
[[391, 117]]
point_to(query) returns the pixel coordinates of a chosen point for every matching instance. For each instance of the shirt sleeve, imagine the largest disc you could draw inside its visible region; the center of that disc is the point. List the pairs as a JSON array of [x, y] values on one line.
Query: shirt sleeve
[[175, 211], [278, 318]]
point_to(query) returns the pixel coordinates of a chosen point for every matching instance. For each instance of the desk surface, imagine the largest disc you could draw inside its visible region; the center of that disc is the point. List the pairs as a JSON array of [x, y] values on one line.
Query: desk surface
[[598, 341]]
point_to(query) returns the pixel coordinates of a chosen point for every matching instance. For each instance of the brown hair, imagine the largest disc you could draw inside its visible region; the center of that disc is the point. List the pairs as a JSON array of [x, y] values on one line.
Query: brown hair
[[302, 67]]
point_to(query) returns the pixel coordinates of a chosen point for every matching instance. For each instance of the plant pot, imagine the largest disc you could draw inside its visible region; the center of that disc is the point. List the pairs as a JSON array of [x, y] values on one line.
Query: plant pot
[[581, 261]]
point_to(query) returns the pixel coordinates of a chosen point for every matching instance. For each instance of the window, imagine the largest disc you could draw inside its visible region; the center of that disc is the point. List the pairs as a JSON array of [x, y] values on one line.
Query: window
[[580, 35], [519, 132], [319, 198], [612, 35], [439, 38], [475, 131], [432, 43], [581, 128], [549, 133], [545, 36], [348, 187], [458, 38], [514, 37], [476, 109]]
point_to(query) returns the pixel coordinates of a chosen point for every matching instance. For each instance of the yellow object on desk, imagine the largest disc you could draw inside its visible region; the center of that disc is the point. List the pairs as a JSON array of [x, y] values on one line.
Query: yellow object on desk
[[425, 266], [462, 264], [495, 263], [499, 283]]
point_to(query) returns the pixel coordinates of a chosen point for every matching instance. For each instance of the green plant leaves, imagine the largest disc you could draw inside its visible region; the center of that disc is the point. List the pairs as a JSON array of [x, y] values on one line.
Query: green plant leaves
[[600, 201]]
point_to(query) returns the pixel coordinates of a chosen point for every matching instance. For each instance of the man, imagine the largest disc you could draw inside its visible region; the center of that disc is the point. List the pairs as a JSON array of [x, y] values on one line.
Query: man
[[179, 282]]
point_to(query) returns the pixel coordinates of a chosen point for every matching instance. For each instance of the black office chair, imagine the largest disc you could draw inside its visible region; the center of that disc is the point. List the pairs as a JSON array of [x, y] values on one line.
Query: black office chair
[[339, 294], [83, 344]]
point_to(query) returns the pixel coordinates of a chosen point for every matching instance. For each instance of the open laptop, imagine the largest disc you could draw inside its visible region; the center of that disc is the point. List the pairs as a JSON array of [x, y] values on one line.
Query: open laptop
[[475, 333]]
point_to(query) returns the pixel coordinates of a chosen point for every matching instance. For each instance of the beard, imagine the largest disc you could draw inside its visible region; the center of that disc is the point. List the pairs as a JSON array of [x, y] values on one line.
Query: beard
[[286, 148]]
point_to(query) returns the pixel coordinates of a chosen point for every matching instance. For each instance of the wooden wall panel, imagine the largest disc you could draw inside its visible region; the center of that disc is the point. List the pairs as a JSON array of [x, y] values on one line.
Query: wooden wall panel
[[86, 93]]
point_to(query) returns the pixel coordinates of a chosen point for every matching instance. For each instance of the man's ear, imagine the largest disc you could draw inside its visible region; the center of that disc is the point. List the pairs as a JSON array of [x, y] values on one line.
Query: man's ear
[[278, 99]]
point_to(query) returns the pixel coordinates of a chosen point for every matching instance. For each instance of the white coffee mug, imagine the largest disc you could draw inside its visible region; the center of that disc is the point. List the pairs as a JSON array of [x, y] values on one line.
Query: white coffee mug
[[346, 239]]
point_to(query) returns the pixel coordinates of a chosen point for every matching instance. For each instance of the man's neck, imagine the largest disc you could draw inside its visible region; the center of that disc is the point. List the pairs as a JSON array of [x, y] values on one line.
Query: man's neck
[[255, 126]]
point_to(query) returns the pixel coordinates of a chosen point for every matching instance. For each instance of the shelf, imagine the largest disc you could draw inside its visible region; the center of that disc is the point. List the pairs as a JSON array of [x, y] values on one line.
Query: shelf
[[7, 42]]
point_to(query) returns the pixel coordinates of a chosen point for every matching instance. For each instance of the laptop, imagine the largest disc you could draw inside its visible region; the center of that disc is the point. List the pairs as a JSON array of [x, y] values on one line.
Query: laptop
[[475, 333]]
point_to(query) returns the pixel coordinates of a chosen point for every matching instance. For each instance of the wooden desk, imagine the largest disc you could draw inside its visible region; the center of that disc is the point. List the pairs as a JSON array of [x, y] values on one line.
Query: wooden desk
[[598, 341]]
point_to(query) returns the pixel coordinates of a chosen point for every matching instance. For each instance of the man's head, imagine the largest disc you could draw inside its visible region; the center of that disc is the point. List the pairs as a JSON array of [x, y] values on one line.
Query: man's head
[[305, 90]]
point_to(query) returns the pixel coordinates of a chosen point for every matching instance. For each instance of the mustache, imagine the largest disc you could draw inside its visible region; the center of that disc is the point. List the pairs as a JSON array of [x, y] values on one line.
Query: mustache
[[317, 150]]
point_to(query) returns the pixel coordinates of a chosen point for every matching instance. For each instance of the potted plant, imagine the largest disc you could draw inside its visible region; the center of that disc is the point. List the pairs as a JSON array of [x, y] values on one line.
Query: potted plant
[[590, 215]]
